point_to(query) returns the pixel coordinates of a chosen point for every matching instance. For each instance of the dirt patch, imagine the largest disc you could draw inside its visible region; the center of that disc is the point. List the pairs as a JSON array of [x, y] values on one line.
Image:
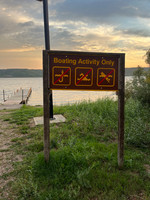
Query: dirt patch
[[147, 167], [7, 155], [141, 196]]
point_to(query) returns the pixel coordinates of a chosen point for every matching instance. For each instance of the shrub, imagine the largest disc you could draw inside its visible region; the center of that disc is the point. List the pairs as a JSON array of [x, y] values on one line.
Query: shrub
[[137, 125], [139, 87]]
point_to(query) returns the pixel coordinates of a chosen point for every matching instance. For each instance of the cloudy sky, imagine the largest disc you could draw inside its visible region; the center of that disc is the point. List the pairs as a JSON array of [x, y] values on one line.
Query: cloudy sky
[[118, 26]]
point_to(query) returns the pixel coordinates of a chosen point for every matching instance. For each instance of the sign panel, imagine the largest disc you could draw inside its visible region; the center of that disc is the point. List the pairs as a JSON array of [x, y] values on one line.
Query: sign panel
[[83, 71]]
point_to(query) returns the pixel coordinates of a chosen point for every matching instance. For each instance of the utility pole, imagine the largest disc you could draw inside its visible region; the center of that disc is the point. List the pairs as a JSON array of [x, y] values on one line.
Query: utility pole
[[47, 47], [47, 94]]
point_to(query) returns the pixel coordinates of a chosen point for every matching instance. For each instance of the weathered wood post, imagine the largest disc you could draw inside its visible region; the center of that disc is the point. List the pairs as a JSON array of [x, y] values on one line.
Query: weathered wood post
[[46, 106], [4, 96], [22, 95], [121, 75]]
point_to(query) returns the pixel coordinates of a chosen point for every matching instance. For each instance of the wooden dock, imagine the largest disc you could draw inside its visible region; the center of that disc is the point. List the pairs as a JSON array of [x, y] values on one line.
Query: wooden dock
[[21, 96]]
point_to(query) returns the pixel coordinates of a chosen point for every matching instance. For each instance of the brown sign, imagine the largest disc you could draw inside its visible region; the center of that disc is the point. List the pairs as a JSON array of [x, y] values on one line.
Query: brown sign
[[83, 71]]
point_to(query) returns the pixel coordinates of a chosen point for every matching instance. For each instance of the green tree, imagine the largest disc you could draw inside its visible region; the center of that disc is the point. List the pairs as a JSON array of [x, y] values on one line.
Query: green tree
[[147, 55], [139, 87]]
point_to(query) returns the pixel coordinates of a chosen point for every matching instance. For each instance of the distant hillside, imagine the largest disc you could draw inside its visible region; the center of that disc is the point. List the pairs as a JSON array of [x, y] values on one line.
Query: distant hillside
[[12, 73], [129, 71]]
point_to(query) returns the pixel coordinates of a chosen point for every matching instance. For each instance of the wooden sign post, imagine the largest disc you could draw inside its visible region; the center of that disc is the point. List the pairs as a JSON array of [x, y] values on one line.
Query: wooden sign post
[[84, 71], [121, 76], [46, 105]]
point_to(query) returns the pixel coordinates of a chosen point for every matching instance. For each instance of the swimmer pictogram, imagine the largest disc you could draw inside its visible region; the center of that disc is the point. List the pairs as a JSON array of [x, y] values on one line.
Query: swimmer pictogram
[[83, 76]]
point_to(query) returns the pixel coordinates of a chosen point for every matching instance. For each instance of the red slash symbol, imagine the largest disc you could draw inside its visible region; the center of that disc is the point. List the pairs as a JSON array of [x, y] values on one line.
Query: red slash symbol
[[62, 75], [105, 77], [84, 76]]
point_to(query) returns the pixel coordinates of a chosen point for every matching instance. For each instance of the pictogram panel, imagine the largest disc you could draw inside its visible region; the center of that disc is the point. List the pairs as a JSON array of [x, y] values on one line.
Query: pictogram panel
[[106, 77], [83, 76], [61, 76]]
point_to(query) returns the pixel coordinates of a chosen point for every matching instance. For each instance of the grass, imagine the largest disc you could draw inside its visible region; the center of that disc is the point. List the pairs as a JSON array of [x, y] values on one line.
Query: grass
[[83, 156]]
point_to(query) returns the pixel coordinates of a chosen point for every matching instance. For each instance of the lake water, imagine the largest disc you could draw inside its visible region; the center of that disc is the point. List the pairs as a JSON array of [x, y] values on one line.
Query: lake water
[[60, 97]]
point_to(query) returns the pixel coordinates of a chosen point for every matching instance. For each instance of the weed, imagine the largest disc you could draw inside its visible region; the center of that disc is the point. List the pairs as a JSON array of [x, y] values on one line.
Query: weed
[[4, 150], [15, 139], [6, 119], [137, 125]]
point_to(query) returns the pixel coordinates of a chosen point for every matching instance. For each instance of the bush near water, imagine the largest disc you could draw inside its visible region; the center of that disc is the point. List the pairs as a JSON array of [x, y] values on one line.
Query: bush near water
[[138, 91], [139, 87]]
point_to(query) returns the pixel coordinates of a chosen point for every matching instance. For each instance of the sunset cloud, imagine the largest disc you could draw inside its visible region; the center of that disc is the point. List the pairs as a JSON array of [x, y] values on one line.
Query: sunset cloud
[[87, 25], [18, 50]]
